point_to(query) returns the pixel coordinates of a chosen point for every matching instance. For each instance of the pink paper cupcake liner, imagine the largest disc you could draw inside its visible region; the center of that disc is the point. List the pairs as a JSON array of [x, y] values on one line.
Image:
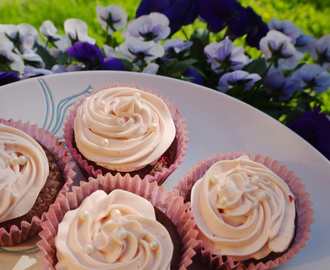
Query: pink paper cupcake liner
[[166, 201], [28, 230], [181, 135], [302, 202]]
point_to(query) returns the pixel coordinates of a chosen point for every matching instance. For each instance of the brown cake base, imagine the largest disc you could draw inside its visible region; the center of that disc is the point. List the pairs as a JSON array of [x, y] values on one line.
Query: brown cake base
[[168, 224], [165, 161], [47, 195]]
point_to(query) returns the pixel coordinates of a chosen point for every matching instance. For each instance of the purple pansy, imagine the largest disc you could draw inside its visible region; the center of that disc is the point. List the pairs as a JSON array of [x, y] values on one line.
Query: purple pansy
[[113, 63], [193, 74], [303, 42], [179, 12], [225, 56], [257, 28], [239, 78], [278, 85], [177, 44], [152, 68], [314, 127], [279, 50], [216, 13], [112, 18], [8, 77], [88, 54], [312, 76]]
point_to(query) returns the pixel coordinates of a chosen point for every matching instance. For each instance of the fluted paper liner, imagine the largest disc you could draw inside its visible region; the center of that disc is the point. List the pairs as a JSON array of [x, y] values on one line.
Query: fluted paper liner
[[302, 203], [28, 230], [181, 135], [166, 201]]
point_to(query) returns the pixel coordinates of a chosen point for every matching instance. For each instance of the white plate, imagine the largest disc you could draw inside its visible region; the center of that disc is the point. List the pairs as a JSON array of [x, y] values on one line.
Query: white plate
[[216, 123]]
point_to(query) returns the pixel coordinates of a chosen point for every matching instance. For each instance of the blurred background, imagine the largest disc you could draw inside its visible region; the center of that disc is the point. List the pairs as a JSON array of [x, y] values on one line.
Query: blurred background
[[309, 15]]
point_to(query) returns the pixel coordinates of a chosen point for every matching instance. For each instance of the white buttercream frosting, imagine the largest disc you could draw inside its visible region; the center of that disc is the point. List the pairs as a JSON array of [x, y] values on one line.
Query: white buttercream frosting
[[20, 184], [123, 128], [248, 213], [115, 231]]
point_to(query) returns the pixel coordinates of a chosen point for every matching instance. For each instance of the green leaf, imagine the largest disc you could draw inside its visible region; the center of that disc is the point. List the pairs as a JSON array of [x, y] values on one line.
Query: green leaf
[[63, 59], [127, 64], [46, 57], [202, 35], [181, 67], [257, 66]]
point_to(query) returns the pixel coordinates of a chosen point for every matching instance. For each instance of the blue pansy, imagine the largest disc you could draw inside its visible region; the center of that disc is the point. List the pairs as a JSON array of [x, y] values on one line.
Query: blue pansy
[[314, 127], [8, 77], [179, 12]]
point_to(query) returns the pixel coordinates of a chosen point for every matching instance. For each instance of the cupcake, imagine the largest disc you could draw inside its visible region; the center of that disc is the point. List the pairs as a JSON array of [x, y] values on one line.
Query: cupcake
[[250, 212], [34, 170], [116, 223], [126, 129]]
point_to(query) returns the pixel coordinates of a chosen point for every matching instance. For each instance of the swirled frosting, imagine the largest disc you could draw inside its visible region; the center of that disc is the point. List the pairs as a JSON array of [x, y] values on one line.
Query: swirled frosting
[[123, 128], [243, 210], [115, 231], [20, 184]]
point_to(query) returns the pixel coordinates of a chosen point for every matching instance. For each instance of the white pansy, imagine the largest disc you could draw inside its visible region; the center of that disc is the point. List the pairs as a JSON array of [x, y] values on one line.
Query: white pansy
[[26, 29], [5, 43], [48, 30], [288, 57], [152, 68], [118, 18], [109, 51], [59, 68], [177, 44], [154, 26], [14, 60], [32, 71], [10, 30], [63, 43], [77, 30], [133, 47]]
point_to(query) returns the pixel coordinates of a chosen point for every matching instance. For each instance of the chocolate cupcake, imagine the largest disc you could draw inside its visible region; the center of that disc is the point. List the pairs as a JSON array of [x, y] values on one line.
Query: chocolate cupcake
[[251, 213], [33, 172], [126, 129], [129, 221]]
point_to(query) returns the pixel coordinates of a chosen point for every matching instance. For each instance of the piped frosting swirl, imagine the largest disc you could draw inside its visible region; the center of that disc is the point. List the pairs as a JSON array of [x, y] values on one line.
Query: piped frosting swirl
[[23, 172], [123, 128], [243, 210], [115, 231]]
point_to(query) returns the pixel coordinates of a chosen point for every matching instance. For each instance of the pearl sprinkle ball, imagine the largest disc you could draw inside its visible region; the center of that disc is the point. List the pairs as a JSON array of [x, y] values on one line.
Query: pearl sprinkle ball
[[104, 142], [101, 104], [223, 202], [153, 245], [214, 179], [120, 121], [121, 234], [88, 248], [261, 196], [137, 95], [84, 215], [21, 160], [115, 213], [153, 127], [255, 180], [13, 160]]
